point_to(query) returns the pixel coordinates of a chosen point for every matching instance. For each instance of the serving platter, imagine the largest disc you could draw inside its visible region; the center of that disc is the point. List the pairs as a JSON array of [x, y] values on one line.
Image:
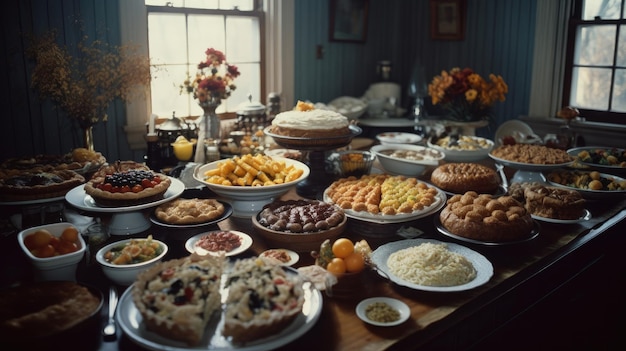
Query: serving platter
[[191, 247], [594, 194], [439, 203], [613, 169], [532, 235], [484, 268], [130, 320], [228, 211], [585, 217]]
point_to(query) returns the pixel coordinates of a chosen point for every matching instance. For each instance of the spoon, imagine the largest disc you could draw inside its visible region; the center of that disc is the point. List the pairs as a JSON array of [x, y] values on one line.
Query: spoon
[[109, 330]]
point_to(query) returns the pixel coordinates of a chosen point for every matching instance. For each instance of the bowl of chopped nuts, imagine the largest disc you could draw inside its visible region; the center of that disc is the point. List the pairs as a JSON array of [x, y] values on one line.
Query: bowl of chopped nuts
[[407, 160], [249, 182], [462, 148], [351, 162]]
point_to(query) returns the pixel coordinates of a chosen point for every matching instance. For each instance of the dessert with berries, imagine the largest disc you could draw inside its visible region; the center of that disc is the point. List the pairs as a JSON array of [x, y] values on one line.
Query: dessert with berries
[[126, 184]]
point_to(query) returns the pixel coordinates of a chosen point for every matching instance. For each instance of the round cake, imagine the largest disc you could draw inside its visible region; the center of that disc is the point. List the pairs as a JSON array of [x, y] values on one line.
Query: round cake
[[485, 218], [553, 202], [462, 177], [306, 122], [126, 184]]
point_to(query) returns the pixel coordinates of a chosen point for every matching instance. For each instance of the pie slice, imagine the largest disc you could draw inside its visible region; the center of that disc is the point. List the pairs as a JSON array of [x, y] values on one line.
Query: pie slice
[[177, 298]]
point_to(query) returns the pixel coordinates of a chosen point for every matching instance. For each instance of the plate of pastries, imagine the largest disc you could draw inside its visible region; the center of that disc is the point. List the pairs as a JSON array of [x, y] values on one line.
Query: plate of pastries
[[531, 157], [384, 198]]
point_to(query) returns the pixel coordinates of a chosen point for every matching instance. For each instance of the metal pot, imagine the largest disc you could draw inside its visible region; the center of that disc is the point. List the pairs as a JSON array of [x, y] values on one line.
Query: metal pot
[[250, 115]]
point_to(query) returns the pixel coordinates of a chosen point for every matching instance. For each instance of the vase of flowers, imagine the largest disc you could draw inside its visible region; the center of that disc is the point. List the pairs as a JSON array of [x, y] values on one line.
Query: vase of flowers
[[466, 96], [214, 82], [84, 84]]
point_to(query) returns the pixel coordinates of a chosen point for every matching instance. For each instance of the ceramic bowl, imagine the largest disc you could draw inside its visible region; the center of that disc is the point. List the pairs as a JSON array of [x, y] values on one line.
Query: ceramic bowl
[[125, 274], [248, 200], [299, 242], [407, 167], [351, 107], [387, 138], [60, 267], [468, 149]]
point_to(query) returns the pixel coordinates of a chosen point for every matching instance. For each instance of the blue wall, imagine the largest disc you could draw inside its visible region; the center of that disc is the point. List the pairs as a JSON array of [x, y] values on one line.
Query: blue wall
[[499, 39]]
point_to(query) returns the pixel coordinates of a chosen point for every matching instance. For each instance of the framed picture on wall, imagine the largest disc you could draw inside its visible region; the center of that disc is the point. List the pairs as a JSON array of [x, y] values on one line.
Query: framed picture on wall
[[348, 20], [447, 19]]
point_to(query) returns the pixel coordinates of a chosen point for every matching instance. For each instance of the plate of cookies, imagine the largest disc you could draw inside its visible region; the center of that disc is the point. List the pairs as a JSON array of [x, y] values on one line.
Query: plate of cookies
[[190, 213], [384, 198]]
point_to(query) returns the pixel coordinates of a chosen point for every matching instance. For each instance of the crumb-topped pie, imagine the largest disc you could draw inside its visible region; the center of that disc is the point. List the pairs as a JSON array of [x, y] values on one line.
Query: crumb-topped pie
[[189, 211], [126, 184]]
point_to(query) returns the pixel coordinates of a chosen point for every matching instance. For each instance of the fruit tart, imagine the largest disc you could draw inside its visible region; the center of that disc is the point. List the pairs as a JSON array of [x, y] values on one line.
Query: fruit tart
[[126, 183]]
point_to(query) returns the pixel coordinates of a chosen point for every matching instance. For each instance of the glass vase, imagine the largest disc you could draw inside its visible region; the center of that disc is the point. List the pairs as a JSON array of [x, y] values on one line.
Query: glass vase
[[210, 130]]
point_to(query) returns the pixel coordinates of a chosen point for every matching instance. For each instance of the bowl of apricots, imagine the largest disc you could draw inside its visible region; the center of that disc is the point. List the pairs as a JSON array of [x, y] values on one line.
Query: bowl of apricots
[[53, 249]]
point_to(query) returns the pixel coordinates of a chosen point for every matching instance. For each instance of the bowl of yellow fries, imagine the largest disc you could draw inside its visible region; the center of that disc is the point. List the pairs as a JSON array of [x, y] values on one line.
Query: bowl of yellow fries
[[249, 182]]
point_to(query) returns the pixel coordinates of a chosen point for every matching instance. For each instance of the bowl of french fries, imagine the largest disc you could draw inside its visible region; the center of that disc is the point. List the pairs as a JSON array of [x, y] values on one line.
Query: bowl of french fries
[[249, 182]]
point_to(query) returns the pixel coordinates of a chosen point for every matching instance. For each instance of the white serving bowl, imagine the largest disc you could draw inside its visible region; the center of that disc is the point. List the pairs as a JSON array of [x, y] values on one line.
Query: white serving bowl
[[387, 138], [407, 167], [351, 107], [461, 154], [248, 200], [61, 267], [125, 274]]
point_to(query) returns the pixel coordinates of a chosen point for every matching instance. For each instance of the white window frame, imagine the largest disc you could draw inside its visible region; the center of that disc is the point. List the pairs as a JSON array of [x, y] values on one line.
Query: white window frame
[[279, 60]]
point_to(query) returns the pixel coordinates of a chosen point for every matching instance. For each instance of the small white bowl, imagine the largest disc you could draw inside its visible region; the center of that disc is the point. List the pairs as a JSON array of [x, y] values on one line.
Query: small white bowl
[[125, 274], [387, 138], [249, 200], [61, 267], [401, 307], [407, 167]]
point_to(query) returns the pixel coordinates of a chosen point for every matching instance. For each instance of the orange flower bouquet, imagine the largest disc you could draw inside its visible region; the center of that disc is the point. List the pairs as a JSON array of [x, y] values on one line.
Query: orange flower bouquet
[[466, 95], [214, 79]]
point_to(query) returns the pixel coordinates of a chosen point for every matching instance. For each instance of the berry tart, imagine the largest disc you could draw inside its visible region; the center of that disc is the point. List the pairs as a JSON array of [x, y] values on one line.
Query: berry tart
[[126, 184]]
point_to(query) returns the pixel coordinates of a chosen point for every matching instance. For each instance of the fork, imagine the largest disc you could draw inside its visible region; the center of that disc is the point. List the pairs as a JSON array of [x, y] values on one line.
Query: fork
[[109, 331]]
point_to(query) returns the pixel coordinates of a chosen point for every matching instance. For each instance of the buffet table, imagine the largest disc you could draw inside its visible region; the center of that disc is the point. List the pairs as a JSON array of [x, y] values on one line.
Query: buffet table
[[527, 278]]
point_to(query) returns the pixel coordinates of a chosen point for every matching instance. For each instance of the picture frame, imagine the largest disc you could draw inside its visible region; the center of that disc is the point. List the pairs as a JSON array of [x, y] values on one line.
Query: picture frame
[[447, 19], [348, 20]]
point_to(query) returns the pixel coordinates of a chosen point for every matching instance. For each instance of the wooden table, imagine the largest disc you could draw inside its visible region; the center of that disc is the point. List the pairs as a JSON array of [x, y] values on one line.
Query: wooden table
[[524, 275]]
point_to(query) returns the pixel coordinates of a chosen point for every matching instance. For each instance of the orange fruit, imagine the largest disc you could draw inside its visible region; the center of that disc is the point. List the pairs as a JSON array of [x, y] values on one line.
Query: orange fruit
[[40, 238], [70, 234], [354, 262], [342, 247], [336, 266], [44, 251]]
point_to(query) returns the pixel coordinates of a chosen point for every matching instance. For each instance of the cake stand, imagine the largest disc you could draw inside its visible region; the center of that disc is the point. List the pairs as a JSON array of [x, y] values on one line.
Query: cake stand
[[318, 180], [124, 220], [528, 172]]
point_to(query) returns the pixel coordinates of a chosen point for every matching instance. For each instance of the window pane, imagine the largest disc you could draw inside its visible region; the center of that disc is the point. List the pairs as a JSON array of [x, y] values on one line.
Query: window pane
[[243, 44], [595, 45], [164, 35], [590, 88], [247, 83], [201, 4], [166, 95], [205, 32], [605, 9], [619, 91], [621, 47]]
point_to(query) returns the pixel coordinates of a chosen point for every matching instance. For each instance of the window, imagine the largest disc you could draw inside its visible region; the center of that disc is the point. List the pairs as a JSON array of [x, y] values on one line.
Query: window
[[180, 31], [595, 79]]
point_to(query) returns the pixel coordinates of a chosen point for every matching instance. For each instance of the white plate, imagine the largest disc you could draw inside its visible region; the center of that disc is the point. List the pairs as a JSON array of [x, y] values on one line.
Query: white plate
[[79, 199], [398, 218], [533, 235], [536, 167], [510, 128], [294, 257], [131, 322], [585, 217], [401, 307], [595, 194], [398, 138], [614, 169], [228, 210], [246, 242], [484, 268]]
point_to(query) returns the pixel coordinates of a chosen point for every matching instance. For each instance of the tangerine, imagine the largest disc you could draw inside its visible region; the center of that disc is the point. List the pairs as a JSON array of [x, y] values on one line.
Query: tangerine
[[70, 234], [343, 247], [40, 238], [336, 266], [354, 262]]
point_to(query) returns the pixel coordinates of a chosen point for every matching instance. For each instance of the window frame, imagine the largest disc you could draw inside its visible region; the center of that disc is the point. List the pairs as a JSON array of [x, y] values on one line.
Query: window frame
[[576, 21], [257, 12]]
